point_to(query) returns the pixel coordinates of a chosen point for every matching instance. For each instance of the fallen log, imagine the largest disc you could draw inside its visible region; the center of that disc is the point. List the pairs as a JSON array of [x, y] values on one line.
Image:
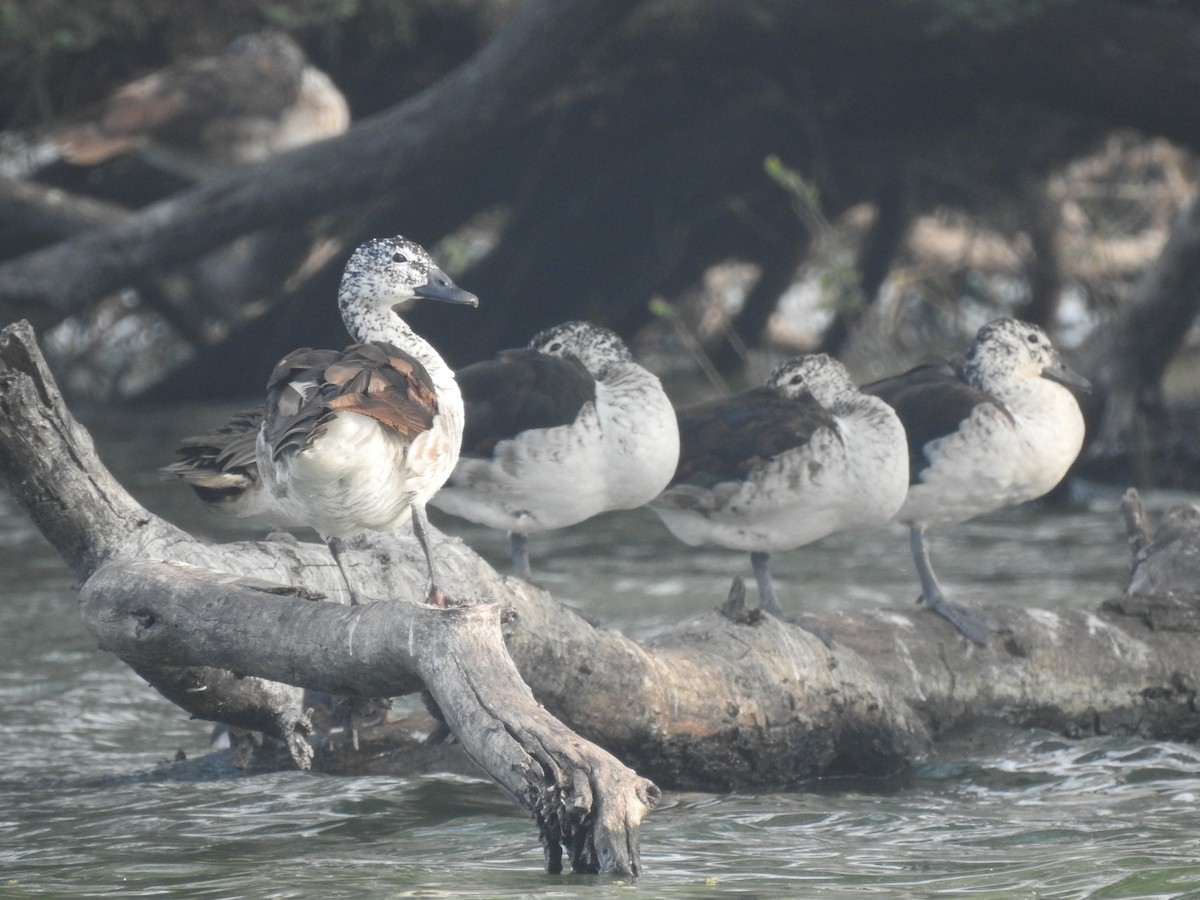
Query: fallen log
[[725, 701], [143, 599], [728, 699]]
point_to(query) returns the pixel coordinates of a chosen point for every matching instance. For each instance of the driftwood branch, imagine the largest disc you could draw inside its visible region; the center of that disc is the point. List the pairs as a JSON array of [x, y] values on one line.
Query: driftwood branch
[[583, 798], [788, 707], [156, 614], [720, 701], [1164, 575]]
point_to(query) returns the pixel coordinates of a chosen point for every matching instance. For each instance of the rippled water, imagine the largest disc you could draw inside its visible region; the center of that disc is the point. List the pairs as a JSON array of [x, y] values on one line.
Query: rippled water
[[90, 804]]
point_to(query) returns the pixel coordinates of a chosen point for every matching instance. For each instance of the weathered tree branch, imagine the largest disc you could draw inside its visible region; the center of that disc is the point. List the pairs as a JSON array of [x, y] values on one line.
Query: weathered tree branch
[[583, 799], [32, 215], [155, 614], [790, 709]]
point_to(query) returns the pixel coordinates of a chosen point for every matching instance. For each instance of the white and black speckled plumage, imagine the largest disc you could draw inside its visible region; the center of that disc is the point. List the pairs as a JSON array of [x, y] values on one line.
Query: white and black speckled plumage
[[221, 465], [560, 431], [1001, 429], [359, 440], [776, 467]]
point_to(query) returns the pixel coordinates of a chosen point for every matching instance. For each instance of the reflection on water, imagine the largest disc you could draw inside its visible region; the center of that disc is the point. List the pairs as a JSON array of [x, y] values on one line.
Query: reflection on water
[[90, 804]]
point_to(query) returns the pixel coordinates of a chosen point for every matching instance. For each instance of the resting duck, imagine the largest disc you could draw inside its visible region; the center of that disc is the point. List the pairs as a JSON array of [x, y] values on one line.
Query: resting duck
[[780, 466], [1002, 429], [557, 432]]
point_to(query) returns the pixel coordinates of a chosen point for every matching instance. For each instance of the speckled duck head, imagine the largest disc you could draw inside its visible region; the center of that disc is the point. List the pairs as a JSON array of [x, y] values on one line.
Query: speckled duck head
[[601, 351], [1006, 349], [816, 374], [385, 272], [274, 51]]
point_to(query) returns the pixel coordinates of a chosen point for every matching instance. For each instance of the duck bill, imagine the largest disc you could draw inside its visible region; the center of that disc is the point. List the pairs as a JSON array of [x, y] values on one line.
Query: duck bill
[[438, 286], [1066, 376]]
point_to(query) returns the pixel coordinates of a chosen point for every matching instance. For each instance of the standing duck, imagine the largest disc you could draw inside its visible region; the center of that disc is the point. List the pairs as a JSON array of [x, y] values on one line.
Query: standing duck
[[1000, 430], [359, 440], [557, 432], [780, 466]]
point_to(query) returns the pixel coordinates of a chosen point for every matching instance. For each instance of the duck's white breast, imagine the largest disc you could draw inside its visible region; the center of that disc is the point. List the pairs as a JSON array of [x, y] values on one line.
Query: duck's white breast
[[640, 440], [1051, 430], [543, 478], [359, 475]]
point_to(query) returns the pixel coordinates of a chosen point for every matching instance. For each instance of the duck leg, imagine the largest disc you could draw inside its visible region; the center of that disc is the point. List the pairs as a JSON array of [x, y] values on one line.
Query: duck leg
[[971, 624], [518, 545], [337, 549], [768, 602], [351, 713], [356, 713], [420, 521]]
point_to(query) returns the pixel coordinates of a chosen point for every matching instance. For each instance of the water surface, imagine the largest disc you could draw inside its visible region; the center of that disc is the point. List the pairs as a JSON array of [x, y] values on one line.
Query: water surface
[[91, 803]]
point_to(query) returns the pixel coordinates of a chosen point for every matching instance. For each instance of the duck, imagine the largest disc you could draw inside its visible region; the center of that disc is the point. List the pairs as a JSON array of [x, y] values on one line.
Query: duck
[[1000, 428], [358, 440], [559, 431], [199, 118], [783, 464]]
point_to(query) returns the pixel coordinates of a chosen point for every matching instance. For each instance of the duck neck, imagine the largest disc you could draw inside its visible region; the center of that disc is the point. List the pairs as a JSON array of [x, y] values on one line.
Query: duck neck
[[384, 325]]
